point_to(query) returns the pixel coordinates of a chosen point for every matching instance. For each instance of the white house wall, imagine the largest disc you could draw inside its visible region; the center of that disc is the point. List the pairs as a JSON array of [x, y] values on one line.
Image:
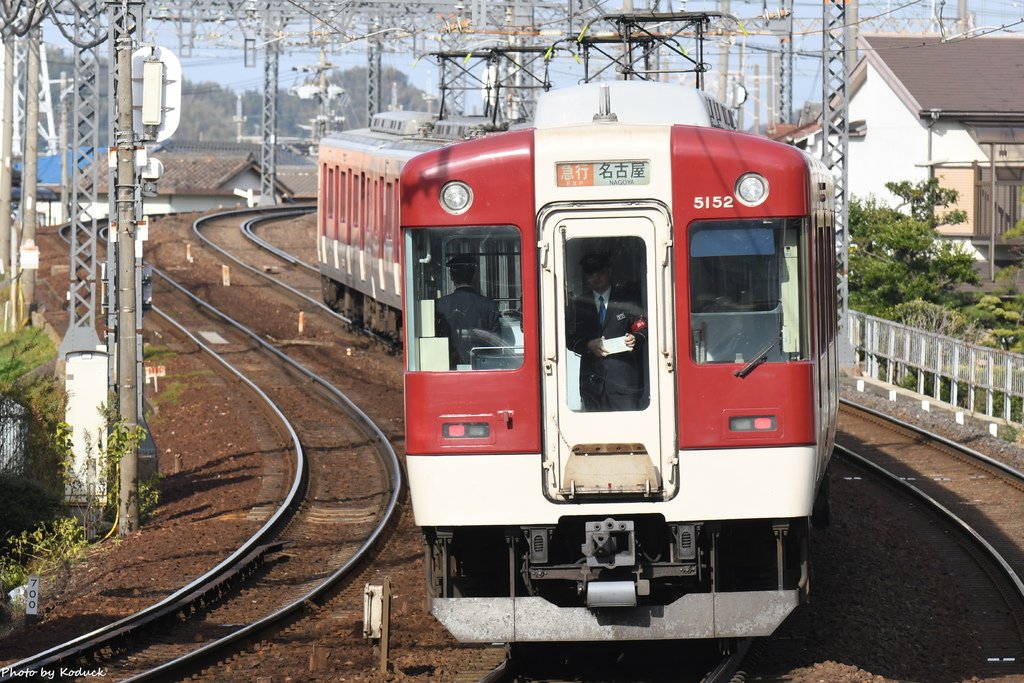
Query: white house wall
[[952, 145], [896, 141], [163, 204]]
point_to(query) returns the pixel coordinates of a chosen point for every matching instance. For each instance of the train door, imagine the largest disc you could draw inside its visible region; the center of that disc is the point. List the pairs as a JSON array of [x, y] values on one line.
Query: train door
[[608, 353]]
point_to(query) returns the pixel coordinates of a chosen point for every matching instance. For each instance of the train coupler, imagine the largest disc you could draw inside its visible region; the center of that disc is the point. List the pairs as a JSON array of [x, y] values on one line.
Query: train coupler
[[610, 543]]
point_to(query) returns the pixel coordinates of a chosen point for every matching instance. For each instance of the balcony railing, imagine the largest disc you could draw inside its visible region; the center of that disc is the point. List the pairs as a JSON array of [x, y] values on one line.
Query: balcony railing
[[1007, 209], [1009, 191]]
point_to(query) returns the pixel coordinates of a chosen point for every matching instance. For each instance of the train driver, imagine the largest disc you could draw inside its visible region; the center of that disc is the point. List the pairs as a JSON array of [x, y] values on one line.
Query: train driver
[[465, 316], [607, 327]]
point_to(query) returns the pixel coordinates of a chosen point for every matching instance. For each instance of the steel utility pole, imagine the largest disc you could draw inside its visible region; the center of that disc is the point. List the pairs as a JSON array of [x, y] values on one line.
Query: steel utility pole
[[835, 128], [272, 25]]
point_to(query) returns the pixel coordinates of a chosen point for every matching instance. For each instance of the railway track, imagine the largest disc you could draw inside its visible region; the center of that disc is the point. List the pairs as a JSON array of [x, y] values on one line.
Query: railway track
[[279, 326], [242, 246], [977, 497], [318, 520], [926, 500]]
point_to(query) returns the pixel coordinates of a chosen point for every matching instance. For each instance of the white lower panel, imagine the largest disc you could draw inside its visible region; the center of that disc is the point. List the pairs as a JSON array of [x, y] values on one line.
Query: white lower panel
[[462, 490], [379, 279], [696, 616]]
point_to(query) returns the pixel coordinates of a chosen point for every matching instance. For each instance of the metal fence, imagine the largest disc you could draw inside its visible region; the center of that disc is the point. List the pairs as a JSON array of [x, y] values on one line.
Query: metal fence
[[975, 378], [13, 437]]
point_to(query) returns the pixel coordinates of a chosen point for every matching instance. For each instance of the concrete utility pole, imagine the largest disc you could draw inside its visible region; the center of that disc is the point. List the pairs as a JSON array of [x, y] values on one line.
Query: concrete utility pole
[[6, 154], [127, 334], [30, 174], [65, 152], [723, 76]]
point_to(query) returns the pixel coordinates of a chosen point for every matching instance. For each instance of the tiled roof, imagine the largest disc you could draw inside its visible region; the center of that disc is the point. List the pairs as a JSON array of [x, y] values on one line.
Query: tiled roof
[[791, 131], [198, 174], [286, 155], [300, 180], [980, 76]]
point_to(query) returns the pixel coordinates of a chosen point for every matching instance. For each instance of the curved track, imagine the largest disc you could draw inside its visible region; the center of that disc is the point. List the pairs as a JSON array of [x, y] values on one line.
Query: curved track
[[979, 500], [945, 499], [314, 535], [954, 484]]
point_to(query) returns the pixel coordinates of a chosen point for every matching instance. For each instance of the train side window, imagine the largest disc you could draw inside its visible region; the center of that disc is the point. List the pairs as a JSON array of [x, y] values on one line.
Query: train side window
[[346, 206], [389, 221], [330, 194], [323, 209], [342, 202], [748, 290], [463, 299], [363, 209]]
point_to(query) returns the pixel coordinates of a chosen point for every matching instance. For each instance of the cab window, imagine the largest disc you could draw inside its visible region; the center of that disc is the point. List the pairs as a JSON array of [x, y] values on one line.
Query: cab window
[[747, 290], [464, 299]]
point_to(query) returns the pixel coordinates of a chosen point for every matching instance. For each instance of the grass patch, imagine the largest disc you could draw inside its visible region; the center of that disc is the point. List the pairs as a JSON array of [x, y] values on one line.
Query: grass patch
[[156, 354], [170, 394], [23, 351]]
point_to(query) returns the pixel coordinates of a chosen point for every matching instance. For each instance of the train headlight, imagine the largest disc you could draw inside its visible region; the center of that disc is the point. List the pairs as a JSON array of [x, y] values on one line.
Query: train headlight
[[456, 197], [751, 189]]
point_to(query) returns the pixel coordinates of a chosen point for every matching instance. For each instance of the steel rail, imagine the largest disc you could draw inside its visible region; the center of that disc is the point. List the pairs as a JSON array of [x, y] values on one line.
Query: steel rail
[[247, 230], [176, 668], [239, 561], [1009, 574], [252, 550], [268, 214], [992, 462]]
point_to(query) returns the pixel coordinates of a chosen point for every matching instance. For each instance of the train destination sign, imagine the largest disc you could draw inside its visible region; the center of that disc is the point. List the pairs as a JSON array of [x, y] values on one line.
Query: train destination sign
[[603, 173]]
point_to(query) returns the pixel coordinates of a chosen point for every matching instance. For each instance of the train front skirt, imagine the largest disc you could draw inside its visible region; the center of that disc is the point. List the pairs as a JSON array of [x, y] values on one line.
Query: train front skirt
[[534, 619]]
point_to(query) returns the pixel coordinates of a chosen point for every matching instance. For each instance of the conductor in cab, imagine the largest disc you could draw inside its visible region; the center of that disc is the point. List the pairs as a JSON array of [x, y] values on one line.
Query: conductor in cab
[[607, 327], [468, 318]]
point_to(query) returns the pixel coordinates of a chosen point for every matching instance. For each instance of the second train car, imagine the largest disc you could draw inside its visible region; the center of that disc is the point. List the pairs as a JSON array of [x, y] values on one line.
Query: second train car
[[620, 429], [357, 219]]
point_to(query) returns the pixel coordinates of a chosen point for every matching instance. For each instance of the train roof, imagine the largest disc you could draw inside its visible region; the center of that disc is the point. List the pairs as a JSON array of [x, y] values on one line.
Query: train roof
[[368, 140], [401, 122], [632, 102], [409, 132], [454, 128]]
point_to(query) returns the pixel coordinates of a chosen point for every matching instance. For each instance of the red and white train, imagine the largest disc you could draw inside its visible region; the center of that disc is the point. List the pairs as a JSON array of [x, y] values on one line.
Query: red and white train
[[680, 509]]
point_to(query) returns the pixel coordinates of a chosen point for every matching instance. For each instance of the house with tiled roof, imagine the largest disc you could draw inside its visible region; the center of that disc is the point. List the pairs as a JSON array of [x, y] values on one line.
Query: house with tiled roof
[[204, 176], [295, 166], [200, 182], [922, 106]]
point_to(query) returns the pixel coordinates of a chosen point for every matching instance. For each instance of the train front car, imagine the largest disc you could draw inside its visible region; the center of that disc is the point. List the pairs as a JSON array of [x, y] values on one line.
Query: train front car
[[620, 386]]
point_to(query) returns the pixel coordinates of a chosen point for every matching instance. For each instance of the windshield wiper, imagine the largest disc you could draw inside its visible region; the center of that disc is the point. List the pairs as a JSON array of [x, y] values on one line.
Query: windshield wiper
[[761, 357]]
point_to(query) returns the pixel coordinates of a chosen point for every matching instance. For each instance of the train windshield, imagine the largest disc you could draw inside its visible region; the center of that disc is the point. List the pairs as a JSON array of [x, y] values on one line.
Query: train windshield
[[464, 299], [746, 284]]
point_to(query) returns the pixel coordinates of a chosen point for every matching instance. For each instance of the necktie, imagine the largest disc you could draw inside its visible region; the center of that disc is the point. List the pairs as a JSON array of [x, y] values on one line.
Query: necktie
[[600, 309]]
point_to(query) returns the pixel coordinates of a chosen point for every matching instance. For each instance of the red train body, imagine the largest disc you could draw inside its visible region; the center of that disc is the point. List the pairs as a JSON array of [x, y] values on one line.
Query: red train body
[[657, 481]]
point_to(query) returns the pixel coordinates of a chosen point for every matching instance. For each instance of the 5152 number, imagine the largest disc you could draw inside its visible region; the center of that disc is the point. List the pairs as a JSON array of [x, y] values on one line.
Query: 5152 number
[[713, 202]]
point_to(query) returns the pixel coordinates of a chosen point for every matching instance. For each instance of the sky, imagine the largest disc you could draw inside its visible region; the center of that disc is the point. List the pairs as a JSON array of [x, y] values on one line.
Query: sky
[[205, 61]]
